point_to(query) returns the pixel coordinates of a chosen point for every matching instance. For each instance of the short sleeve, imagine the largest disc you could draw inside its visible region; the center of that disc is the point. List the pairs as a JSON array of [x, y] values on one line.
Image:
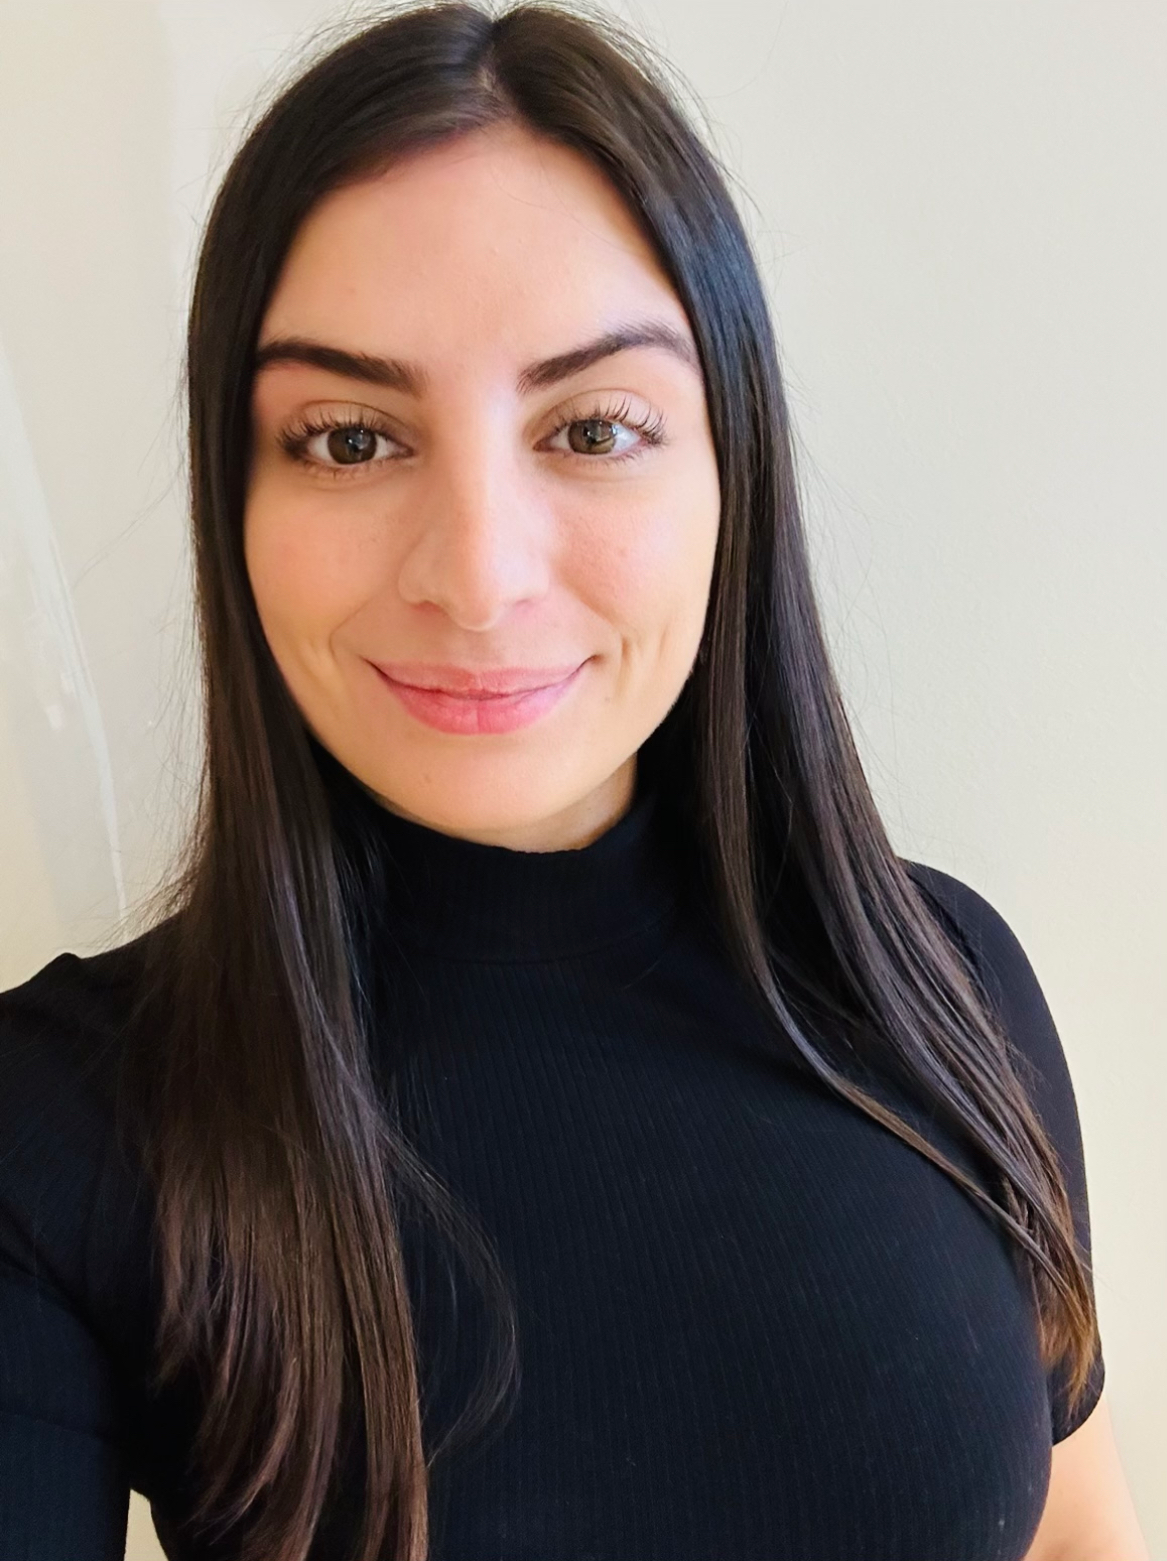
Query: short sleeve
[[1012, 987], [64, 1475]]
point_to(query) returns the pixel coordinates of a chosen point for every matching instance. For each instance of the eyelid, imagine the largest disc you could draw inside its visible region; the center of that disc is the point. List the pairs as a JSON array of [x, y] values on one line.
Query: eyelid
[[585, 402], [338, 414], [310, 422]]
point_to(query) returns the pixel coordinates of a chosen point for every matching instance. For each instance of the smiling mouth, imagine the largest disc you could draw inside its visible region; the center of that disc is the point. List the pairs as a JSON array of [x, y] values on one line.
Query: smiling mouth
[[465, 683], [478, 712]]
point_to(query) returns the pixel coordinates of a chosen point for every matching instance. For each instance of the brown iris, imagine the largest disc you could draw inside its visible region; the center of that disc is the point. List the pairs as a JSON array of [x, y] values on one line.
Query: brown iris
[[592, 435], [349, 446]]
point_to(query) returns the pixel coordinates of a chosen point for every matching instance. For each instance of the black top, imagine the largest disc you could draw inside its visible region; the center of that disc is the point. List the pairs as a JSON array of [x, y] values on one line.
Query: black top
[[753, 1324]]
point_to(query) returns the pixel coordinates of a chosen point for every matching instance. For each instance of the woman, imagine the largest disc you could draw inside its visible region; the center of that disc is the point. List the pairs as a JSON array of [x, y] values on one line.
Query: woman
[[539, 928]]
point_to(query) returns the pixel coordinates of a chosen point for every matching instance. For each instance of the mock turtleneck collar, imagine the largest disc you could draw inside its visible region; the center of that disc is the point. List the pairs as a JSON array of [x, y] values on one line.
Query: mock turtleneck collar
[[460, 899]]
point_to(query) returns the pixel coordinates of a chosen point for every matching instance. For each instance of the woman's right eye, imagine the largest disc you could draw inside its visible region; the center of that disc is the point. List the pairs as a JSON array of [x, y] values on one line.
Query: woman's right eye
[[336, 448]]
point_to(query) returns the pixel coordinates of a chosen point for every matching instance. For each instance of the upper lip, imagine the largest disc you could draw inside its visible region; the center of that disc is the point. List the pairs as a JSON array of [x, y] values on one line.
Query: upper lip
[[474, 682]]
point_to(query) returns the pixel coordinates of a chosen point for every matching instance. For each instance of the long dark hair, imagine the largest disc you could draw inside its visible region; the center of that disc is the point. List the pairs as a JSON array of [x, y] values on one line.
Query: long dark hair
[[280, 1173]]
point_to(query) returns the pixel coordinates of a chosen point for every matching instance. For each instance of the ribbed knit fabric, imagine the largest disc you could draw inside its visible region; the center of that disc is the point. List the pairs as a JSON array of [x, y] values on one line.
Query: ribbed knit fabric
[[753, 1325]]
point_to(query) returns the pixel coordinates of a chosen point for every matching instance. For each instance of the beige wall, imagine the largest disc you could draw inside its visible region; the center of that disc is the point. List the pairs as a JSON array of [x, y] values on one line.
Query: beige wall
[[960, 212]]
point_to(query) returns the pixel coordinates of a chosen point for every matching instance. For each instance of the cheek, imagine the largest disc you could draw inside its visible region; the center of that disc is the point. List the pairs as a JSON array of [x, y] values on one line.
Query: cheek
[[648, 569], [309, 572]]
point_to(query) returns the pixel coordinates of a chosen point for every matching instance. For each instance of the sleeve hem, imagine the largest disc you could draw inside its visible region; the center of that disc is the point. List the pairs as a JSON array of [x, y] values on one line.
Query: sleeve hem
[[1086, 1406]]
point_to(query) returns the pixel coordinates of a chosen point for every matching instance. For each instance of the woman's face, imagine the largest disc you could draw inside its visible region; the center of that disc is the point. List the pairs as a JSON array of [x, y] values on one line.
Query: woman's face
[[467, 481]]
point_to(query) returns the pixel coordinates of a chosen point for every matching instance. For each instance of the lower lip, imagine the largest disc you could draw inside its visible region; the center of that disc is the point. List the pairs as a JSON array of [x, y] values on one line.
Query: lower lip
[[478, 717]]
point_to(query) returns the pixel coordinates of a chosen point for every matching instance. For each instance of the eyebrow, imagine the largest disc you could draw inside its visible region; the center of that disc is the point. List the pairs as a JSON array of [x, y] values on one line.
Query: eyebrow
[[413, 380]]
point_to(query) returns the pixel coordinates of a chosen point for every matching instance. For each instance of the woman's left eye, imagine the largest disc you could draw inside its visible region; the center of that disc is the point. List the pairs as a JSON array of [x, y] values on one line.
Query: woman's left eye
[[592, 435]]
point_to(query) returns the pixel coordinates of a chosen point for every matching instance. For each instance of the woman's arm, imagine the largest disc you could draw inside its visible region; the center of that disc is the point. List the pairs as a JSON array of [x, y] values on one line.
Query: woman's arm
[[1089, 1514]]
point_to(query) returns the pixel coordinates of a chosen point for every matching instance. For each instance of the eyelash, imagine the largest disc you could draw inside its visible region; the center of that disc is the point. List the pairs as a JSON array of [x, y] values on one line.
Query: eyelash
[[294, 439]]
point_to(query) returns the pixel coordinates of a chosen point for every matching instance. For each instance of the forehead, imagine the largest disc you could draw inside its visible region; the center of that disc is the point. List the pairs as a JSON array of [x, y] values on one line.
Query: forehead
[[494, 243]]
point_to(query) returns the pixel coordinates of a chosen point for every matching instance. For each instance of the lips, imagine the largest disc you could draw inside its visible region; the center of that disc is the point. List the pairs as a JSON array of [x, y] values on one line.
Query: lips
[[472, 683], [483, 713]]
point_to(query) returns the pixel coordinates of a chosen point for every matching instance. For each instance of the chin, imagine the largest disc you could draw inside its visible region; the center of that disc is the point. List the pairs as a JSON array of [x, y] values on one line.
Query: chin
[[459, 803]]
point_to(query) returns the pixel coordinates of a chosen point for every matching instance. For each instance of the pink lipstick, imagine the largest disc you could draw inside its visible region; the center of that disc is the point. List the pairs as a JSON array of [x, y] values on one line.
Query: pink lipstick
[[485, 711]]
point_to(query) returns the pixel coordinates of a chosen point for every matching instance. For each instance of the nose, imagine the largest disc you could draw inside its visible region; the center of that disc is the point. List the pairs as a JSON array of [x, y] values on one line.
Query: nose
[[480, 534]]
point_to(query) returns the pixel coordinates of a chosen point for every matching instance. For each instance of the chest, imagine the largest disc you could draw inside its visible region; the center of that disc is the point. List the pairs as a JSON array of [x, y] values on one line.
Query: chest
[[752, 1323]]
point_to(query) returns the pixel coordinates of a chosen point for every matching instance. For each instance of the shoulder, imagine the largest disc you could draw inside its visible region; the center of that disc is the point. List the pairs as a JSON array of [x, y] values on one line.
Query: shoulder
[[60, 1034], [1004, 971], [985, 936], [69, 977], [62, 1024]]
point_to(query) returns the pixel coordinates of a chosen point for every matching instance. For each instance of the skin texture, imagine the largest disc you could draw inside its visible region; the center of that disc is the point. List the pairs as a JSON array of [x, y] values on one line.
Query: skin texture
[[478, 535], [1089, 1514]]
